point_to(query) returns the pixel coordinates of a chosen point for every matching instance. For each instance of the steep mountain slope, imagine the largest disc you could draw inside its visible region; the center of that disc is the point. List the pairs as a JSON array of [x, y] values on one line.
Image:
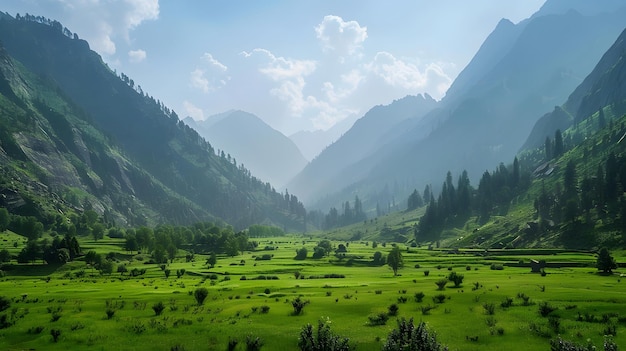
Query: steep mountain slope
[[573, 198], [366, 136], [136, 154], [266, 152], [605, 86], [485, 120]]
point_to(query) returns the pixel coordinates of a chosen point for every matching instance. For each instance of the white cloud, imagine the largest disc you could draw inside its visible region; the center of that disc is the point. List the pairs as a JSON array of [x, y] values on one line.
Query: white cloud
[[213, 62], [211, 76], [136, 56], [102, 22], [408, 76], [290, 74], [341, 37], [198, 80], [193, 111]]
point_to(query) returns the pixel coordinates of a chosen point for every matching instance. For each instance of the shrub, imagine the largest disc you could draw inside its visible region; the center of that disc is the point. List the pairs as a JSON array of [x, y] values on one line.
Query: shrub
[[298, 305], [496, 267], [200, 295], [56, 333], [555, 324], [507, 302], [419, 296], [402, 299], [426, 309], [564, 345], [380, 318], [35, 330], [456, 278], [110, 313], [158, 308], [393, 309], [441, 283], [439, 298], [324, 339], [490, 308], [55, 316], [232, 344], [265, 309], [5, 303], [253, 343], [426, 273], [409, 337], [545, 309]]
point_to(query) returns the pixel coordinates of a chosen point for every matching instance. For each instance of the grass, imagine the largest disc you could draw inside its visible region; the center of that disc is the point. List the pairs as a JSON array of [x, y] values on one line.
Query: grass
[[233, 306]]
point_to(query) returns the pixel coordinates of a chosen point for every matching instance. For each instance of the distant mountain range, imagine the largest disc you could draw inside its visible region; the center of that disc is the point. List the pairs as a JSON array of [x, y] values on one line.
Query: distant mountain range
[[75, 135], [266, 152], [520, 72], [312, 143], [367, 135]]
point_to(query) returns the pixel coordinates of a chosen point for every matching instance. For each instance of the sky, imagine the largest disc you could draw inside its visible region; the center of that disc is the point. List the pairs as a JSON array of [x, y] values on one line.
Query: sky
[[298, 65]]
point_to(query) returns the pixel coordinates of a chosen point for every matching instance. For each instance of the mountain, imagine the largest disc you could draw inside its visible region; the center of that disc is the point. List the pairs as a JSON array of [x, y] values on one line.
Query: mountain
[[570, 197], [266, 152], [521, 72], [312, 143], [604, 87], [77, 136], [366, 135]]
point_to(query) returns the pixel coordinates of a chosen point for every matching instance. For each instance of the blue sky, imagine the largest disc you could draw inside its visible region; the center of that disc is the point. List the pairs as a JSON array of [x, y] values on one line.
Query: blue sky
[[299, 65]]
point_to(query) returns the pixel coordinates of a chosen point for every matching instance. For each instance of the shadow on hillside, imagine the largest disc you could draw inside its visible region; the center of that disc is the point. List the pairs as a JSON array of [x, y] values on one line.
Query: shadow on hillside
[[30, 270]]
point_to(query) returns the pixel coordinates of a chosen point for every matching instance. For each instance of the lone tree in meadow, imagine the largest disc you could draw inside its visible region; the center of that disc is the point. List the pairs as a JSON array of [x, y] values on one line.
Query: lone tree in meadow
[[212, 260], [200, 295], [606, 263], [394, 259]]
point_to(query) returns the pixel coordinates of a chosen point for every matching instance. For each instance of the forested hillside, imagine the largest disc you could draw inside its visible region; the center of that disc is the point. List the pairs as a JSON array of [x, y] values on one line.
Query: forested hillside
[[76, 136]]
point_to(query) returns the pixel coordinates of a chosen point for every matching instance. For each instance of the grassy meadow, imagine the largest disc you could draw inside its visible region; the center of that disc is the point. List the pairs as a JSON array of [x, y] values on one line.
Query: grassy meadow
[[74, 299]]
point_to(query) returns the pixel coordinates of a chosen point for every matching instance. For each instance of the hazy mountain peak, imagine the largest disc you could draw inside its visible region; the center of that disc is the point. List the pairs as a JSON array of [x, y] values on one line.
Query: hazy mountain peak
[[584, 7], [269, 154]]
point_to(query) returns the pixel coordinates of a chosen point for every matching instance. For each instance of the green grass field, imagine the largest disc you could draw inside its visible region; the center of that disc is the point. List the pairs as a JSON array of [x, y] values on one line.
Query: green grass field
[[588, 304]]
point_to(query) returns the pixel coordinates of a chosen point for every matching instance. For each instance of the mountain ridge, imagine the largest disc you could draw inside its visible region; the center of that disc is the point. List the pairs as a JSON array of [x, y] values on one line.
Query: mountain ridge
[[167, 158], [266, 152]]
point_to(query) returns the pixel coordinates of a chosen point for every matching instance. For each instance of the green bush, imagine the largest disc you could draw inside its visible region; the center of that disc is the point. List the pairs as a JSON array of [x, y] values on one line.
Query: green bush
[[158, 308], [409, 337]]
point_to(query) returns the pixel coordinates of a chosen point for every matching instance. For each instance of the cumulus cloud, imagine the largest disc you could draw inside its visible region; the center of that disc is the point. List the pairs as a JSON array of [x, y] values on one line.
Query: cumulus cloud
[[136, 56], [193, 111], [409, 76], [301, 93], [198, 80], [340, 37], [102, 22], [290, 74], [210, 76]]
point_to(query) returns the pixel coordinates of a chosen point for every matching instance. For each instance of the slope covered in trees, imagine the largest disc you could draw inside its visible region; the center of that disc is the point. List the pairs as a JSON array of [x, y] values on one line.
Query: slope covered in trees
[[77, 136], [521, 73]]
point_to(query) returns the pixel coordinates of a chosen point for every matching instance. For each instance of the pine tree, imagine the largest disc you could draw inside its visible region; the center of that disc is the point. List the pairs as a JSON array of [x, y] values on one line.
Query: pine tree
[[558, 143], [548, 149], [601, 119]]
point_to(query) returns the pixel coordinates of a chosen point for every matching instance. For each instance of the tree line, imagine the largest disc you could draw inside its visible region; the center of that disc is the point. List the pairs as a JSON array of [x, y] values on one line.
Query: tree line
[[455, 204]]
